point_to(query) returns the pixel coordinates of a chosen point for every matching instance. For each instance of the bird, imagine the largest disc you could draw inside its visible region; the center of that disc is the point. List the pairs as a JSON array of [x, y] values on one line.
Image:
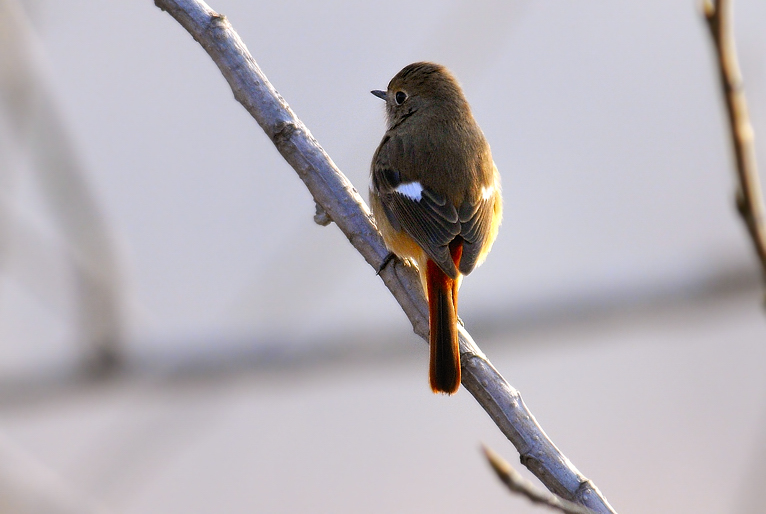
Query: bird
[[435, 197]]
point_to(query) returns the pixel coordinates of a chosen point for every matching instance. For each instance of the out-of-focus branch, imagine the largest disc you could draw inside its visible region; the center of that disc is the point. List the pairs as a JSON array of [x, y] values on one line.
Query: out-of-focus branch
[[34, 122], [341, 202], [718, 14], [517, 484]]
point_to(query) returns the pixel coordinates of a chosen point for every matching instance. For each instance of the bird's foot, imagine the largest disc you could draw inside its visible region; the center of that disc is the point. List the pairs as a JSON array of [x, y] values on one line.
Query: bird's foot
[[388, 258]]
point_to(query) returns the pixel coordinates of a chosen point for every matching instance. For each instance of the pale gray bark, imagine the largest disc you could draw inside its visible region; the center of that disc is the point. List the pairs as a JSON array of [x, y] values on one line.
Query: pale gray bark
[[519, 485]]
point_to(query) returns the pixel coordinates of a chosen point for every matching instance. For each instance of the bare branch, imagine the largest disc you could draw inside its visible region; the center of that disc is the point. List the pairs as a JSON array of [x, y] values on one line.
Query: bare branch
[[517, 484], [718, 14], [342, 203]]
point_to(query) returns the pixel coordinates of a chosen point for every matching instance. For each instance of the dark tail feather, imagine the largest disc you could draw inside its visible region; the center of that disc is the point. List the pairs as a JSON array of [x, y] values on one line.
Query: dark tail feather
[[444, 369]]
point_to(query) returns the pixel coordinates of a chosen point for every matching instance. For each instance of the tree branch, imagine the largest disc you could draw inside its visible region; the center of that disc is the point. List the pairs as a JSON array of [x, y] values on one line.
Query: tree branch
[[342, 203], [718, 14], [517, 484]]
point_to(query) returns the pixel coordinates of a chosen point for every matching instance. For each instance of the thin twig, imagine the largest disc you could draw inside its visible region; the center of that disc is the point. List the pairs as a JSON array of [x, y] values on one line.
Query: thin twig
[[342, 203], [718, 14], [519, 485]]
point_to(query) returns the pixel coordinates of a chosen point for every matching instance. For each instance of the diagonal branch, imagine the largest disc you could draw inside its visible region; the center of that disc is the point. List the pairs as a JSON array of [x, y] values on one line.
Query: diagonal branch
[[341, 202], [519, 485], [718, 14]]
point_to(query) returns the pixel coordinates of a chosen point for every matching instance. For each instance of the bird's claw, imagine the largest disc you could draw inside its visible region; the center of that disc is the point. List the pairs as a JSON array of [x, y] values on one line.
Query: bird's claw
[[388, 258]]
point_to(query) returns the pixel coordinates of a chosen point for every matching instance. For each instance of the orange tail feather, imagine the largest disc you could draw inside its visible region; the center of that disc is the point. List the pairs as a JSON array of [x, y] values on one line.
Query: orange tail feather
[[444, 368]]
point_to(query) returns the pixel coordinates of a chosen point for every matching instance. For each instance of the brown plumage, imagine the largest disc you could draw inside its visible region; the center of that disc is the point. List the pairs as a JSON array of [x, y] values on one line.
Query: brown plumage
[[435, 195]]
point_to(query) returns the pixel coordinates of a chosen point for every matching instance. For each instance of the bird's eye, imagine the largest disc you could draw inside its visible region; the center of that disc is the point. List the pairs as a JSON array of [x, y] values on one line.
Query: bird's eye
[[400, 97]]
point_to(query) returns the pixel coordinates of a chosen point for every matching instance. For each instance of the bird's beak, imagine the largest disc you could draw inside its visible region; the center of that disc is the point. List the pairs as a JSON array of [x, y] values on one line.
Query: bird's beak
[[380, 94]]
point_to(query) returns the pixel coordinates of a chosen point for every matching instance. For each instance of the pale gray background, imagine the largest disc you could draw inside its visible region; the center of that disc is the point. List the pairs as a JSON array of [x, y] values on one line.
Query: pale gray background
[[268, 370]]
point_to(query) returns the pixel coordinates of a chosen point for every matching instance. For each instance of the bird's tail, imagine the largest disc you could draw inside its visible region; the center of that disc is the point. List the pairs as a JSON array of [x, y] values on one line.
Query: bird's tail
[[444, 368]]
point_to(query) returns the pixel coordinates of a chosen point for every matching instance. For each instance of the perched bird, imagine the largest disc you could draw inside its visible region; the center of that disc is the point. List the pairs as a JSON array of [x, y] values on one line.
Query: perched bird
[[435, 196]]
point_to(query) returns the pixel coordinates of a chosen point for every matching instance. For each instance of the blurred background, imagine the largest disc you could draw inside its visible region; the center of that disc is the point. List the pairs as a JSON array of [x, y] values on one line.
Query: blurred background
[[178, 335]]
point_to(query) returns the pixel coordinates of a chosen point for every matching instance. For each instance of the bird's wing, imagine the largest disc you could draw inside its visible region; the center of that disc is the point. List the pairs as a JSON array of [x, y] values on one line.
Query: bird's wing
[[475, 219], [426, 216]]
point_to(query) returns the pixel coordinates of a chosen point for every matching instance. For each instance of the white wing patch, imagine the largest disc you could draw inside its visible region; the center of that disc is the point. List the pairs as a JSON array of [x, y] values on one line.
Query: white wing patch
[[412, 190], [487, 192]]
